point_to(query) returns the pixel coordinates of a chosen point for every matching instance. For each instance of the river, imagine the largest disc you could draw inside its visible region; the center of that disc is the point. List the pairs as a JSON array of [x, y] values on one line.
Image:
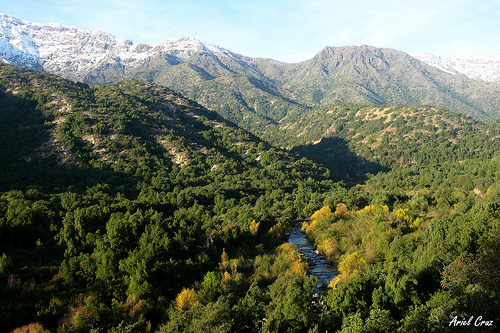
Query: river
[[319, 266]]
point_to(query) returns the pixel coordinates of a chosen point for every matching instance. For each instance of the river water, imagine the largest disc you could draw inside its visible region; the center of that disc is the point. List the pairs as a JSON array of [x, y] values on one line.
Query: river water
[[319, 266]]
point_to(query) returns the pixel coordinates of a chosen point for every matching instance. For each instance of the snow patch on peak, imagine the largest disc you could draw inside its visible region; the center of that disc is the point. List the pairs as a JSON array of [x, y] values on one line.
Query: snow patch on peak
[[15, 46], [486, 69], [185, 47], [182, 48]]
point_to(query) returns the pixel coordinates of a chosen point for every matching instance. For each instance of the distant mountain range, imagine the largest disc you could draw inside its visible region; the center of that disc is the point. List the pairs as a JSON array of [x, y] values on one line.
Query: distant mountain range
[[252, 92]]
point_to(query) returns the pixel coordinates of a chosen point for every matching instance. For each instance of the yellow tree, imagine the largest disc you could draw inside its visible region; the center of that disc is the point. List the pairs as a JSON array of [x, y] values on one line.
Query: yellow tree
[[318, 215], [254, 227], [341, 211], [186, 299], [321, 214], [349, 267]]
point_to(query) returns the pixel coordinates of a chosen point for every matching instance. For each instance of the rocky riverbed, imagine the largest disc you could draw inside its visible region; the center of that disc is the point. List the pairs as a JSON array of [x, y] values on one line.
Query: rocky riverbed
[[319, 266]]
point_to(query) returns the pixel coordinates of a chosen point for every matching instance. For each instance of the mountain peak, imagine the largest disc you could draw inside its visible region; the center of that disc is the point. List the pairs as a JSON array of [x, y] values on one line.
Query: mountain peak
[[185, 47], [354, 51]]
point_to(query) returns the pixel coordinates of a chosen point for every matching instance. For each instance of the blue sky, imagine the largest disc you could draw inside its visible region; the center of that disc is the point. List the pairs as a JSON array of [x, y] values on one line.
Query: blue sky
[[286, 30]]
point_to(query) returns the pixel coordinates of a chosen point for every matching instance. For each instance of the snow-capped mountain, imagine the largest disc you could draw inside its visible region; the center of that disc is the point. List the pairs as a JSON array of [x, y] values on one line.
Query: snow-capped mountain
[[78, 54], [73, 52], [486, 69], [244, 89]]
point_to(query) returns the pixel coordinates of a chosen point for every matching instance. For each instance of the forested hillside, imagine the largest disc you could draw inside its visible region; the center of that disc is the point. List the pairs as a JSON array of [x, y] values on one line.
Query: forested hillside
[[129, 208], [114, 198], [374, 138]]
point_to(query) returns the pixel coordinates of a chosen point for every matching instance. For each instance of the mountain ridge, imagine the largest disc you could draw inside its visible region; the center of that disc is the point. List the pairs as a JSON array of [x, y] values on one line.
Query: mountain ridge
[[36, 46], [25, 43], [211, 75]]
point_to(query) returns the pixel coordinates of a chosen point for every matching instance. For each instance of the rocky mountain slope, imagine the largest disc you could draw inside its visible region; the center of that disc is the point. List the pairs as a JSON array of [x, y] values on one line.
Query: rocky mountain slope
[[367, 74]]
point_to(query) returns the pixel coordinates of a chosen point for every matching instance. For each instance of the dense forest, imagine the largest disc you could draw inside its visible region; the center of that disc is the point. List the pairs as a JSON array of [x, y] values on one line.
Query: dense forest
[[129, 208]]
